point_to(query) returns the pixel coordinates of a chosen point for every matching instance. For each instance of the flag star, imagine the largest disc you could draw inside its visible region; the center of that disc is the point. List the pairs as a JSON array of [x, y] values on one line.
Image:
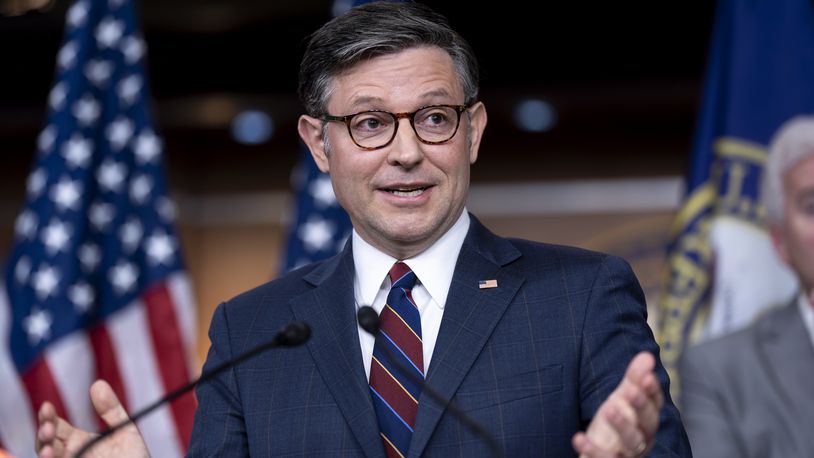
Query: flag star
[[26, 224], [98, 72], [133, 49], [119, 132], [322, 191], [22, 270], [45, 281], [109, 32], [130, 234], [77, 151], [316, 234], [129, 89], [77, 14], [89, 256], [115, 3], [82, 296], [147, 147], [57, 96], [55, 236], [111, 175], [160, 248], [67, 55], [165, 209], [46, 139], [101, 215], [86, 110], [66, 194], [36, 183], [38, 325], [140, 189], [123, 276]]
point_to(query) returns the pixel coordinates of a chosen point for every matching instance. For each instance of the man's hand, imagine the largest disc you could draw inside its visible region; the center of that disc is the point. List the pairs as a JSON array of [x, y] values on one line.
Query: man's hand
[[626, 423], [56, 438]]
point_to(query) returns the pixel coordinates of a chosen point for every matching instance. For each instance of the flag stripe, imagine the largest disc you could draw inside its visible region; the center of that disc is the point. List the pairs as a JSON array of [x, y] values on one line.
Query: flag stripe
[[16, 431], [106, 366], [128, 330], [183, 301], [40, 387], [172, 363], [72, 369]]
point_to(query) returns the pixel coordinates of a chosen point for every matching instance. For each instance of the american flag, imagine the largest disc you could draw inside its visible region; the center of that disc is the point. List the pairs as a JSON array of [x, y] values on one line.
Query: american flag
[[94, 286]]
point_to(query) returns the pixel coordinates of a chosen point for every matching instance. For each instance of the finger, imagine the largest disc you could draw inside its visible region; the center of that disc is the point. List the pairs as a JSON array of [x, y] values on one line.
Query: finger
[[641, 365], [46, 412], [650, 411], [586, 448], [630, 436], [46, 432], [107, 404]]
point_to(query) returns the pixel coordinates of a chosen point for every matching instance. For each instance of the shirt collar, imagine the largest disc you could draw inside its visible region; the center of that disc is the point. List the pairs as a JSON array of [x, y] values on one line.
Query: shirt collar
[[434, 266], [807, 313]]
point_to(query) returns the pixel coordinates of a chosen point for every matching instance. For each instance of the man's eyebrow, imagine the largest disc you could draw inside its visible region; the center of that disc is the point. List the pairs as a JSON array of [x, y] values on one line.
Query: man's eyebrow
[[365, 100]]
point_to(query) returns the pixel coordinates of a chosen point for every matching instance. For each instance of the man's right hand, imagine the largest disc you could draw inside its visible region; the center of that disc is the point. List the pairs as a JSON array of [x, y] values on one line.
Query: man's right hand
[[56, 438]]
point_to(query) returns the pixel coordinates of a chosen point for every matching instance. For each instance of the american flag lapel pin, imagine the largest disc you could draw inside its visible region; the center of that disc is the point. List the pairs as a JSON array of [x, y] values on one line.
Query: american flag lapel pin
[[483, 284]]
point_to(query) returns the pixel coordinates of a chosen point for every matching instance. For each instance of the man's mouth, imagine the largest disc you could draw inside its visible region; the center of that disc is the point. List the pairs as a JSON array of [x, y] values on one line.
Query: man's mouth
[[406, 192]]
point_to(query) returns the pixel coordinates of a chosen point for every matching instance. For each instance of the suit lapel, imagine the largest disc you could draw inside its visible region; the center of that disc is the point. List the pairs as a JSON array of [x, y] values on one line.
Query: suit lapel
[[334, 346], [470, 316]]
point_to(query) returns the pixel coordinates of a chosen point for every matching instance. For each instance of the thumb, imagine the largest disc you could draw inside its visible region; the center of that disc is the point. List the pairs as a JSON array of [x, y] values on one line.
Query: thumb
[[641, 365], [107, 404]]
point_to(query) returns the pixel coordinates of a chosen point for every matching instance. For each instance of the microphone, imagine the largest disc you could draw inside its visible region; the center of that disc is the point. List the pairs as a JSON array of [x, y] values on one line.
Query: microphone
[[294, 334], [369, 321]]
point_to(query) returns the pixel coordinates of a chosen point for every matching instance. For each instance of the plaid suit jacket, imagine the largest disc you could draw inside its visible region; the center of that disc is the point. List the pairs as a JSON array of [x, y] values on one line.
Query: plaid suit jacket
[[530, 360]]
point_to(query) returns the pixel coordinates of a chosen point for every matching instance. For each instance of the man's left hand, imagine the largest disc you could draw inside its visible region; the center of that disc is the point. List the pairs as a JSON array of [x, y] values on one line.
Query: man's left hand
[[626, 423]]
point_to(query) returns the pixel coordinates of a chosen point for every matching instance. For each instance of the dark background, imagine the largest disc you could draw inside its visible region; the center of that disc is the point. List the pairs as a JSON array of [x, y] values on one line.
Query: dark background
[[624, 77]]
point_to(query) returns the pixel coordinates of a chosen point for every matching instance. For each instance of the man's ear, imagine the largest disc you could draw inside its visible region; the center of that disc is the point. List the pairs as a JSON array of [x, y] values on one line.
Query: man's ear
[[310, 130], [477, 124], [779, 241]]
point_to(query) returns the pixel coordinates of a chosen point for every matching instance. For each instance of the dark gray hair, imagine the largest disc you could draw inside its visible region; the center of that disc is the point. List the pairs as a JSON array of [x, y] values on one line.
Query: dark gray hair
[[377, 29], [793, 142]]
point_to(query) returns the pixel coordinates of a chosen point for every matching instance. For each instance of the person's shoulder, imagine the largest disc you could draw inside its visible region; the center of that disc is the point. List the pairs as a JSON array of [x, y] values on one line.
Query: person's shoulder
[[565, 256], [288, 284], [735, 341]]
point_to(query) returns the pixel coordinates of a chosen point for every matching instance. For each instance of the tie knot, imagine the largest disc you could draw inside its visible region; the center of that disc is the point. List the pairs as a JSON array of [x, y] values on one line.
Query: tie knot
[[401, 276]]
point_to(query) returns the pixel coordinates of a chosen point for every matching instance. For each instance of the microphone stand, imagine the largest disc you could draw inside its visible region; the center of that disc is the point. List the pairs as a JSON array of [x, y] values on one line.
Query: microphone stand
[[295, 334]]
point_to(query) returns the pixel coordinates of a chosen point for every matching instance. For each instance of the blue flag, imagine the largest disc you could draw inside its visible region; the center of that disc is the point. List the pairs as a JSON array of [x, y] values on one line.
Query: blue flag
[[94, 286], [722, 270]]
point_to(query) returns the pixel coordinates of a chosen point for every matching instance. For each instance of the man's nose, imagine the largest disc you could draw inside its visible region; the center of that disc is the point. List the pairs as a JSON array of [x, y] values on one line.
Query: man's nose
[[406, 149]]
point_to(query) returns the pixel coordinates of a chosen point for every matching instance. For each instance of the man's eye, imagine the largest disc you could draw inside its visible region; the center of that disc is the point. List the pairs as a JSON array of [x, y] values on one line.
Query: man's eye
[[368, 123]]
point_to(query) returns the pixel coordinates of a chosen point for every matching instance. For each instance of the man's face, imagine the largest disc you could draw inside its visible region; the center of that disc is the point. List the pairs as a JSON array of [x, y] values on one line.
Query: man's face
[[795, 238], [403, 197]]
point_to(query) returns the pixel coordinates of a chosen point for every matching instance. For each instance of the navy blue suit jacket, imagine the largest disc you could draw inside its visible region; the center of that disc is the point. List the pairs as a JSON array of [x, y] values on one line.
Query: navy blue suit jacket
[[530, 360]]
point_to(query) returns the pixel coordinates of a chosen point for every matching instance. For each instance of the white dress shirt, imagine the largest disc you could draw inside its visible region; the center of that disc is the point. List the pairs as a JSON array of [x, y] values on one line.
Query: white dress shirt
[[433, 267], [807, 311]]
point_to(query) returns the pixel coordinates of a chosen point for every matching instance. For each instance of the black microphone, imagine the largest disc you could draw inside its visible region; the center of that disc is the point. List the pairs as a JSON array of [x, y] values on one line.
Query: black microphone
[[369, 321], [294, 334]]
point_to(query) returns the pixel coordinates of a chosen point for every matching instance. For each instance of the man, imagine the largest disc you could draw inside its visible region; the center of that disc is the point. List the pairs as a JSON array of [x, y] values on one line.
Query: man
[[529, 340], [749, 394]]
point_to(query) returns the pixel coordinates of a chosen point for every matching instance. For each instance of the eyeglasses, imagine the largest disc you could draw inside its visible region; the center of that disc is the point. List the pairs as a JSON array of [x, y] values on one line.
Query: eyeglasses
[[375, 129]]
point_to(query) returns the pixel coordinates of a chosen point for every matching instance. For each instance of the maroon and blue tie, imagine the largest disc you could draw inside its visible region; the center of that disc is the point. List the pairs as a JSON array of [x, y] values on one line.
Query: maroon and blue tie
[[395, 394]]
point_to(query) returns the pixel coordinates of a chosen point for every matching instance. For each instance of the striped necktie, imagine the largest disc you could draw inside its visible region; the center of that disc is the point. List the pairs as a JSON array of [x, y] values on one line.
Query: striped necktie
[[395, 395]]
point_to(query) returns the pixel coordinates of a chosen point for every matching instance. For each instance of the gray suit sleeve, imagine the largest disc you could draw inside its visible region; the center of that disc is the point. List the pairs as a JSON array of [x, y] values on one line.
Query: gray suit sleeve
[[704, 411]]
